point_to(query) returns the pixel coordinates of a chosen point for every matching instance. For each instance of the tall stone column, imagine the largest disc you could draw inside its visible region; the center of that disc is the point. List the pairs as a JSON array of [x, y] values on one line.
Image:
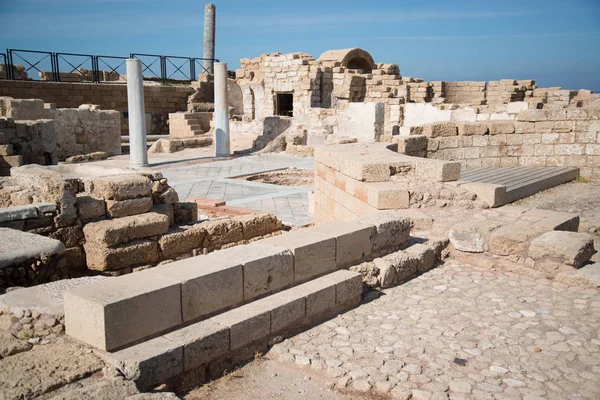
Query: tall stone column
[[209, 37], [222, 148], [138, 150]]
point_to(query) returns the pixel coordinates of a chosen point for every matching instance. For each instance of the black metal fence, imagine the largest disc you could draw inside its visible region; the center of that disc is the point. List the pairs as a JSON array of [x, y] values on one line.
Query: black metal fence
[[74, 67]]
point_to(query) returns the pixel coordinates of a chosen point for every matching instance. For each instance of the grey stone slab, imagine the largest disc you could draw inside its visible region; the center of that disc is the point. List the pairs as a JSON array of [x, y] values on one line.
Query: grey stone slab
[[18, 212], [20, 246]]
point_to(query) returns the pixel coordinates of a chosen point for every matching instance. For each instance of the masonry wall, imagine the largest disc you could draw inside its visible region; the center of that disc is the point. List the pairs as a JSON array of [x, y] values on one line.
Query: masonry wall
[[561, 137], [159, 100]]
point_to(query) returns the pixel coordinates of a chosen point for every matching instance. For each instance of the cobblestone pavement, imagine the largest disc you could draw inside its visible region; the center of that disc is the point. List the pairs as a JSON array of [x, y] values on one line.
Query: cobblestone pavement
[[213, 181], [462, 332]]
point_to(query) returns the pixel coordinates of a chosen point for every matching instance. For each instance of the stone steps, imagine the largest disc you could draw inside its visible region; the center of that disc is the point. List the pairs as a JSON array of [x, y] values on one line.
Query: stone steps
[[194, 347]]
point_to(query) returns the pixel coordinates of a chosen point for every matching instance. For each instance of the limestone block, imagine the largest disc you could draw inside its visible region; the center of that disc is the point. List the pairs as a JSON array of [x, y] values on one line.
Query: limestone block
[[89, 208], [314, 253], [571, 248], [554, 220], [247, 324], [493, 195], [588, 276], [222, 231], [392, 230], [258, 224], [115, 312], [266, 268], [513, 238], [164, 209], [387, 195], [418, 219], [209, 283], [514, 107], [180, 240], [125, 208], [353, 240], [436, 129], [425, 254], [471, 236], [287, 308], [532, 115], [122, 230], [500, 127], [71, 236], [119, 187], [185, 212], [18, 213], [348, 288], [202, 342], [137, 252], [437, 170], [149, 363], [472, 128], [320, 297]]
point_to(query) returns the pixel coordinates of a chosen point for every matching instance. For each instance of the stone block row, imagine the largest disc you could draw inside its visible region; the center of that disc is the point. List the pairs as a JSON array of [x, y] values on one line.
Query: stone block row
[[196, 345], [117, 312]]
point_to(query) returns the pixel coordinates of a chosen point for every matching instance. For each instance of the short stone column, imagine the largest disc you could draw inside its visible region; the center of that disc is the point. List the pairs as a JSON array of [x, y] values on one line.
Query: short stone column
[[222, 148], [209, 37], [138, 148]]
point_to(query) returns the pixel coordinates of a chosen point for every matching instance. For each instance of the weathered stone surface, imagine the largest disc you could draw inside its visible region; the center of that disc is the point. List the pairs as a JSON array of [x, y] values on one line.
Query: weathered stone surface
[[89, 207], [124, 208], [71, 236], [62, 363], [180, 240], [115, 312], [512, 238], [267, 268], [425, 254], [472, 128], [202, 342], [493, 195], [471, 236], [246, 324], [137, 252], [437, 170], [314, 253], [222, 231], [10, 345], [418, 219], [18, 212], [287, 308], [165, 209], [353, 240], [436, 129], [209, 283], [103, 389], [388, 196], [119, 187], [149, 363], [20, 246], [571, 248], [392, 229], [258, 224], [122, 230], [588, 275], [169, 196]]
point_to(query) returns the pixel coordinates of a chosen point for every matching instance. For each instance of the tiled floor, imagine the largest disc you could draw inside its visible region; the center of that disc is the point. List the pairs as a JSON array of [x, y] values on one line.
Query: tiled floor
[[214, 181]]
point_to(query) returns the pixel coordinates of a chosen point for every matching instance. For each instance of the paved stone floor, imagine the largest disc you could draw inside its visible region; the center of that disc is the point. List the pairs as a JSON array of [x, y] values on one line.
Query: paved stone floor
[[213, 181], [461, 332]]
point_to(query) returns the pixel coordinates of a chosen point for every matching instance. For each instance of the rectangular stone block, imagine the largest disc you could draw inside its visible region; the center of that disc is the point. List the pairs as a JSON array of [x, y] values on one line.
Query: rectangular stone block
[[436, 129], [314, 254], [247, 324], [115, 312], [500, 127], [149, 363], [472, 128], [320, 297], [180, 240], [288, 309], [119, 187], [89, 208], [122, 230], [493, 195], [137, 252], [353, 241], [209, 283], [266, 268], [348, 288], [437, 170], [387, 195], [202, 342], [125, 208], [392, 229]]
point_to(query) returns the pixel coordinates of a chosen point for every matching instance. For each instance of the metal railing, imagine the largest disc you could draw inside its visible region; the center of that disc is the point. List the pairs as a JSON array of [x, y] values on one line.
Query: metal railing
[[74, 67]]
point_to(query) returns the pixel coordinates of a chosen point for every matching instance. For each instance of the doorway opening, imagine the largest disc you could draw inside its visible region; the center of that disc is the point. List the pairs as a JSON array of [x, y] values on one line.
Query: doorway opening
[[284, 104]]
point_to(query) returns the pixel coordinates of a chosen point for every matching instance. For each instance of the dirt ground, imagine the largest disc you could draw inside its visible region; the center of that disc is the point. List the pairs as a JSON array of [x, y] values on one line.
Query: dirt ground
[[286, 177], [575, 197], [269, 379]]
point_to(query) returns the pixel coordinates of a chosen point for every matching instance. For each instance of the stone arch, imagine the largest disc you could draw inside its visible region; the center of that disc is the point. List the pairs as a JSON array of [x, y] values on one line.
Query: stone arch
[[350, 58]]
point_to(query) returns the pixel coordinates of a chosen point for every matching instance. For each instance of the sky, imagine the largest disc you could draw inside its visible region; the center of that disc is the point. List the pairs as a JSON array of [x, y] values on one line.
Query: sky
[[555, 42]]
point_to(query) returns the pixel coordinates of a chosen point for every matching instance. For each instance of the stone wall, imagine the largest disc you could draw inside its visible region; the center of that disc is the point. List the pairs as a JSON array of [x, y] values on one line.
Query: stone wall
[[116, 224], [159, 100], [553, 137], [26, 142]]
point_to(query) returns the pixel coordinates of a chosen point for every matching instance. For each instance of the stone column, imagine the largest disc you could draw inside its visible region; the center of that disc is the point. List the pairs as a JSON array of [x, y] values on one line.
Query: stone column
[[138, 150], [221, 111], [209, 37]]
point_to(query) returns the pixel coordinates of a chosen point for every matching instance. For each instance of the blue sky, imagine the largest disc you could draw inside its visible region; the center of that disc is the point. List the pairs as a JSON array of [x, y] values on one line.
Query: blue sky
[[555, 42]]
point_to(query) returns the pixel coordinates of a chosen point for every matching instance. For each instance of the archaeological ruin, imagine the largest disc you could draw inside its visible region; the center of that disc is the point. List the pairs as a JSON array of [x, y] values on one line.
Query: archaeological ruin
[[375, 233]]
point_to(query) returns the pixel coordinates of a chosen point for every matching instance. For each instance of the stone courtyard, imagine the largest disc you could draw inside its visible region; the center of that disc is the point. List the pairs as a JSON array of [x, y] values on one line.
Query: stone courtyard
[[299, 228]]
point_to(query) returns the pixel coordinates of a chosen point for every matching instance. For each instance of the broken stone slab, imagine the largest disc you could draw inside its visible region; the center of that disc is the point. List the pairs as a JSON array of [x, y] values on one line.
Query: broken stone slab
[[493, 195], [471, 236], [588, 275], [119, 187], [425, 254], [18, 246], [513, 238], [571, 248], [115, 312], [122, 230], [17, 213]]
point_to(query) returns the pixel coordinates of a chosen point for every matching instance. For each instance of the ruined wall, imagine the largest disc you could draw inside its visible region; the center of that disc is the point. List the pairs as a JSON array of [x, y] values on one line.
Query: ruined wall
[[554, 137], [159, 100], [26, 142]]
